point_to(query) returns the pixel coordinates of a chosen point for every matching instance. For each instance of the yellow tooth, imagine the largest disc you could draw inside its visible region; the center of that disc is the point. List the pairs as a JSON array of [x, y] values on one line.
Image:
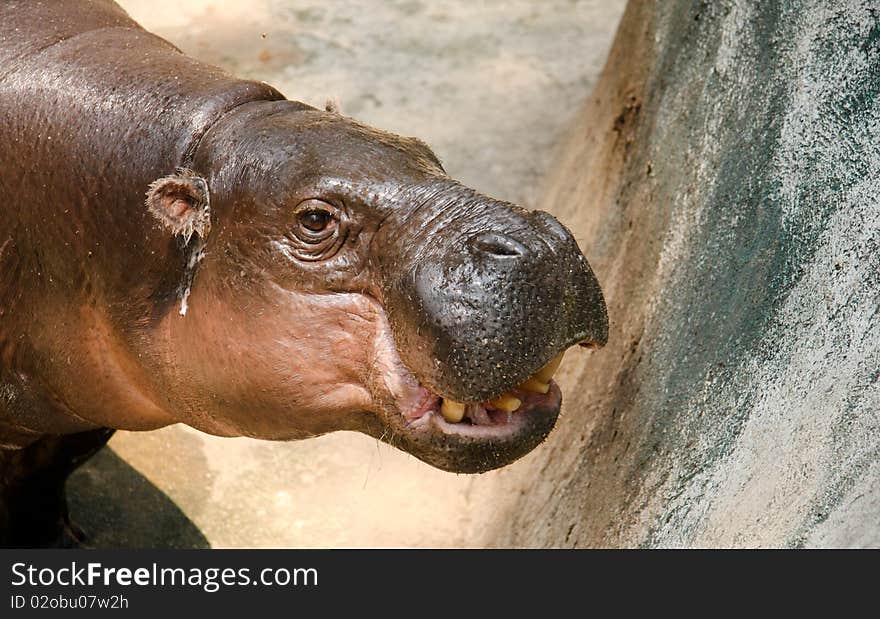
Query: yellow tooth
[[546, 373], [535, 386], [506, 403], [452, 411]]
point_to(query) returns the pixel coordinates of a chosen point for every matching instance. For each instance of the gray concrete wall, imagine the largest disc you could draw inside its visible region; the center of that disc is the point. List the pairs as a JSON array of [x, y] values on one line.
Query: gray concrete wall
[[725, 182]]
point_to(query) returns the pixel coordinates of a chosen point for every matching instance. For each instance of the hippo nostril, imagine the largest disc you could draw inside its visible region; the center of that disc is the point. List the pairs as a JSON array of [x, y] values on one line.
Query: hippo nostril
[[498, 244]]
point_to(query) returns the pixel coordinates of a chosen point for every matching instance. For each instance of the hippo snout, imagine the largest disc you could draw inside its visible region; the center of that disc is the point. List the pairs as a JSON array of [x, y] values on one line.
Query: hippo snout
[[494, 296]]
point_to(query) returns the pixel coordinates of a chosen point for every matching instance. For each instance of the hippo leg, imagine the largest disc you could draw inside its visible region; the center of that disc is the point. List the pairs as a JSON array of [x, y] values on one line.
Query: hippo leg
[[33, 507]]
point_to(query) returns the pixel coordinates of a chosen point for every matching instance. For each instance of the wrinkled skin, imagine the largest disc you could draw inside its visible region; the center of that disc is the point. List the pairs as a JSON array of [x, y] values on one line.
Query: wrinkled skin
[[300, 273]]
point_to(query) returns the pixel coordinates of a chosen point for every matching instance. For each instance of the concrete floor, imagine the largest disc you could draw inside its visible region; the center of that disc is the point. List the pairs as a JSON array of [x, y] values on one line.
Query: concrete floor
[[492, 86]]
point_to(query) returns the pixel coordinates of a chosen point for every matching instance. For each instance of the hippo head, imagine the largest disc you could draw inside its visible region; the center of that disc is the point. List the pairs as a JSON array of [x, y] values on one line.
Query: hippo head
[[340, 280]]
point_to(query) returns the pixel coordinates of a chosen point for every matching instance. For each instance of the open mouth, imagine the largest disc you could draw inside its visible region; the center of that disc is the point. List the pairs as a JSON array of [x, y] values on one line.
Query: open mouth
[[462, 436], [538, 395], [473, 437]]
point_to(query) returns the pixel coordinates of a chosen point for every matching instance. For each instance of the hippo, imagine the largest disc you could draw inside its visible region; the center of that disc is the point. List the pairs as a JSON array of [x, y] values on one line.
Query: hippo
[[178, 245]]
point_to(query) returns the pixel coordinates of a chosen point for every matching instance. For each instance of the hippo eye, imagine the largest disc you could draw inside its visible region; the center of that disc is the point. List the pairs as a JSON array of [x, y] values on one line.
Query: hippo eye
[[315, 221], [316, 230]]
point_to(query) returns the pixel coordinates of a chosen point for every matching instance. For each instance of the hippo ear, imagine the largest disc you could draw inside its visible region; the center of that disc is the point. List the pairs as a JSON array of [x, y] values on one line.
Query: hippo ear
[[181, 202]]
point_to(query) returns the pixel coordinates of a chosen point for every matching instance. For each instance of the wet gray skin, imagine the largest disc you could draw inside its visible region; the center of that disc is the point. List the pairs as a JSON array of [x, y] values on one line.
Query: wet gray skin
[[481, 293]]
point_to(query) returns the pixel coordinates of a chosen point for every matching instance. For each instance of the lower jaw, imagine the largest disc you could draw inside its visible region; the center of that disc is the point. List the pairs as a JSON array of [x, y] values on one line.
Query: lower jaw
[[468, 448]]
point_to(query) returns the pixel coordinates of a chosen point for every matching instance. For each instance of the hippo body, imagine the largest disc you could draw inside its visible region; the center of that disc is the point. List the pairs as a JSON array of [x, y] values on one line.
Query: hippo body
[[178, 245], [76, 158]]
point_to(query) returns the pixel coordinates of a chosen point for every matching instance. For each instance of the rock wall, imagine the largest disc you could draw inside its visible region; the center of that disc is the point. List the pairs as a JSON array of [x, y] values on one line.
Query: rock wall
[[724, 181]]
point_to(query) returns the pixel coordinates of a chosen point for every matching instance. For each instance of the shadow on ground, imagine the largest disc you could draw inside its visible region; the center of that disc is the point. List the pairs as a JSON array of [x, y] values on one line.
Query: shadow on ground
[[120, 508]]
